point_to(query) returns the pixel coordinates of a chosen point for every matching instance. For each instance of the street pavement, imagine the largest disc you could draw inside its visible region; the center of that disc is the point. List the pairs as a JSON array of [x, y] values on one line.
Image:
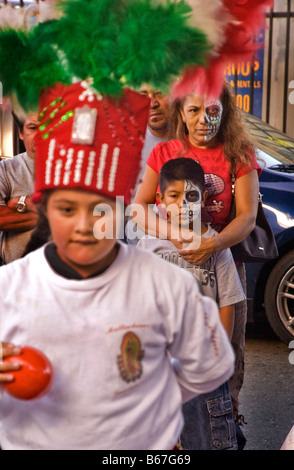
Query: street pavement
[[267, 397]]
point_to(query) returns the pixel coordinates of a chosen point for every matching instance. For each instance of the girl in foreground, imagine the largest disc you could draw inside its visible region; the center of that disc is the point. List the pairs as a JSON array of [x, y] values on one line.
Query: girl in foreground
[[129, 336]]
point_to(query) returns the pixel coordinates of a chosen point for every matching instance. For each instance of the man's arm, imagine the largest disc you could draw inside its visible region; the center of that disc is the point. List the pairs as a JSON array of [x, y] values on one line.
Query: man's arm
[[13, 221]]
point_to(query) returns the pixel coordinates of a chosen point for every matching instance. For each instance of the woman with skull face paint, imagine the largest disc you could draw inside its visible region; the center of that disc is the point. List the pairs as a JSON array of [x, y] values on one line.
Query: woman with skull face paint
[[212, 133]]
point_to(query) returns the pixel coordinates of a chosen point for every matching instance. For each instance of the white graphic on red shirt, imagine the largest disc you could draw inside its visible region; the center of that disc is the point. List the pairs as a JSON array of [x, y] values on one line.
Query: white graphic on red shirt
[[215, 186]]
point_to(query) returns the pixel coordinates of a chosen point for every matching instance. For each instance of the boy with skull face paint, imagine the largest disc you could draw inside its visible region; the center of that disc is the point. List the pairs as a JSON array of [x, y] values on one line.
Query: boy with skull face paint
[[182, 196]]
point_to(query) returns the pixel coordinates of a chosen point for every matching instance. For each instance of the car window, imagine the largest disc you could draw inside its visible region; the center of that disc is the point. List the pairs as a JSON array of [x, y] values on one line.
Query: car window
[[267, 159], [274, 148]]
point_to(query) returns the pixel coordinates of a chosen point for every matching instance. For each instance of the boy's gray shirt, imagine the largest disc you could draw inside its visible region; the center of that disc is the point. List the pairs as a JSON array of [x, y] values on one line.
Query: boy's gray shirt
[[16, 179], [218, 277]]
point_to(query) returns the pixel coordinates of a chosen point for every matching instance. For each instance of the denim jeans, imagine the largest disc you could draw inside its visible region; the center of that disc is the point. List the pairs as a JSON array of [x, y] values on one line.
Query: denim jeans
[[209, 422], [238, 343]]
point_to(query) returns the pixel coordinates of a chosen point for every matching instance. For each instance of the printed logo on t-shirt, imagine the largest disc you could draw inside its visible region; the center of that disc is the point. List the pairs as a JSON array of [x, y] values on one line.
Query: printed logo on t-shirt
[[130, 360]]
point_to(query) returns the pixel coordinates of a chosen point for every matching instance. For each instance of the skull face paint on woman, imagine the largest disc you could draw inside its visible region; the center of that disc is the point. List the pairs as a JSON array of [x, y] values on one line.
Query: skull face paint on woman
[[213, 117], [201, 118]]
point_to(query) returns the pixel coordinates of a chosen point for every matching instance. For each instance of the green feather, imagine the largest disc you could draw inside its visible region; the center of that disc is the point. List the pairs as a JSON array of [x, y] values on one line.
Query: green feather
[[27, 66], [131, 41], [155, 44]]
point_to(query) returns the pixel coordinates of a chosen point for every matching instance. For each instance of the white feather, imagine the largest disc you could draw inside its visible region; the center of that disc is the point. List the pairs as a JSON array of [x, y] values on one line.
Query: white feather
[[48, 11], [28, 17], [11, 18], [40, 12], [212, 17]]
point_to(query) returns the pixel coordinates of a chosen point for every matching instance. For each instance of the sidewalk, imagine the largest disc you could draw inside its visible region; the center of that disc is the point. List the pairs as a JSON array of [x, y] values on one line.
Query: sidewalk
[[267, 397]]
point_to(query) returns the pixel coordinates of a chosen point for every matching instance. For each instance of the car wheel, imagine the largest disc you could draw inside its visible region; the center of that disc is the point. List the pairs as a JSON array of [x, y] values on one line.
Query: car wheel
[[279, 298]]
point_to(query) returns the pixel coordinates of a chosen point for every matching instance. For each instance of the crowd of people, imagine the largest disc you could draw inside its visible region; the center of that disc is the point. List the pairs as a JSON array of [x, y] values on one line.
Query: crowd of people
[[214, 135], [180, 367]]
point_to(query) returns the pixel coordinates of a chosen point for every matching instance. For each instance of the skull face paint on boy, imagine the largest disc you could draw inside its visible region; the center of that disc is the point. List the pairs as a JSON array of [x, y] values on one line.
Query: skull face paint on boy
[[191, 206], [213, 117]]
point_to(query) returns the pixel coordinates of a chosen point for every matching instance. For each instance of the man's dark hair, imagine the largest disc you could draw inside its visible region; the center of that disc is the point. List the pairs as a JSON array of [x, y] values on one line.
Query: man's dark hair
[[181, 169]]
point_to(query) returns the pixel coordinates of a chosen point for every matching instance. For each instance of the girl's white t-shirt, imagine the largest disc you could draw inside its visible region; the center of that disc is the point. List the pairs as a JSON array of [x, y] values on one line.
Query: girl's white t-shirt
[[110, 340]]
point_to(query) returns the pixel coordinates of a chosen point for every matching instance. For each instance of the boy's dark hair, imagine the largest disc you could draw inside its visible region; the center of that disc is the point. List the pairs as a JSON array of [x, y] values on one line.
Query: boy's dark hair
[[181, 169]]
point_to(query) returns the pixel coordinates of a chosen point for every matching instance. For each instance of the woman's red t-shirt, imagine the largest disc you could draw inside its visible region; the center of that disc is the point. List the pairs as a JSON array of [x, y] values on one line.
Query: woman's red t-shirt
[[217, 176]]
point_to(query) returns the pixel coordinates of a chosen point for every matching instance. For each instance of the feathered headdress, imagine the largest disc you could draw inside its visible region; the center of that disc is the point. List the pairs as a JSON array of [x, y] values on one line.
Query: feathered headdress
[[77, 71], [117, 43], [71, 64], [125, 43]]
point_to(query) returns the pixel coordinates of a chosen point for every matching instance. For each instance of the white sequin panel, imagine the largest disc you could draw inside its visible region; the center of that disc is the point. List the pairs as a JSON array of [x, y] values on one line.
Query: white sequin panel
[[90, 169], [68, 165], [57, 173], [49, 162], [78, 167], [100, 173], [89, 93], [113, 169]]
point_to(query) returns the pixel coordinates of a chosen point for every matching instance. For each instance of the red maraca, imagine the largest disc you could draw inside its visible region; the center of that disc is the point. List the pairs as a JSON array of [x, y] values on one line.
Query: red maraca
[[34, 379]]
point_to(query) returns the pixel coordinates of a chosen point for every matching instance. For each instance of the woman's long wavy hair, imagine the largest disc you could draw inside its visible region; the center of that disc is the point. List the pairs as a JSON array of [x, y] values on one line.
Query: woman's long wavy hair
[[233, 133]]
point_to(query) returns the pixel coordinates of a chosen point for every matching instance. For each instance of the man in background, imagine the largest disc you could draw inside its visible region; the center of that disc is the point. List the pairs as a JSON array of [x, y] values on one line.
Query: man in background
[[158, 124], [157, 131], [18, 215]]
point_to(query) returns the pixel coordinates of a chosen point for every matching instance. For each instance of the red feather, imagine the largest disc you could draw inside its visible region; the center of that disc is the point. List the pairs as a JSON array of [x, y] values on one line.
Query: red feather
[[240, 35], [207, 80], [247, 19]]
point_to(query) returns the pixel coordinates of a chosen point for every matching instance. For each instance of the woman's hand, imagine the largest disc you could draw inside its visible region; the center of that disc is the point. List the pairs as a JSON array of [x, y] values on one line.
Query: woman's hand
[[191, 246], [6, 350], [200, 255]]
